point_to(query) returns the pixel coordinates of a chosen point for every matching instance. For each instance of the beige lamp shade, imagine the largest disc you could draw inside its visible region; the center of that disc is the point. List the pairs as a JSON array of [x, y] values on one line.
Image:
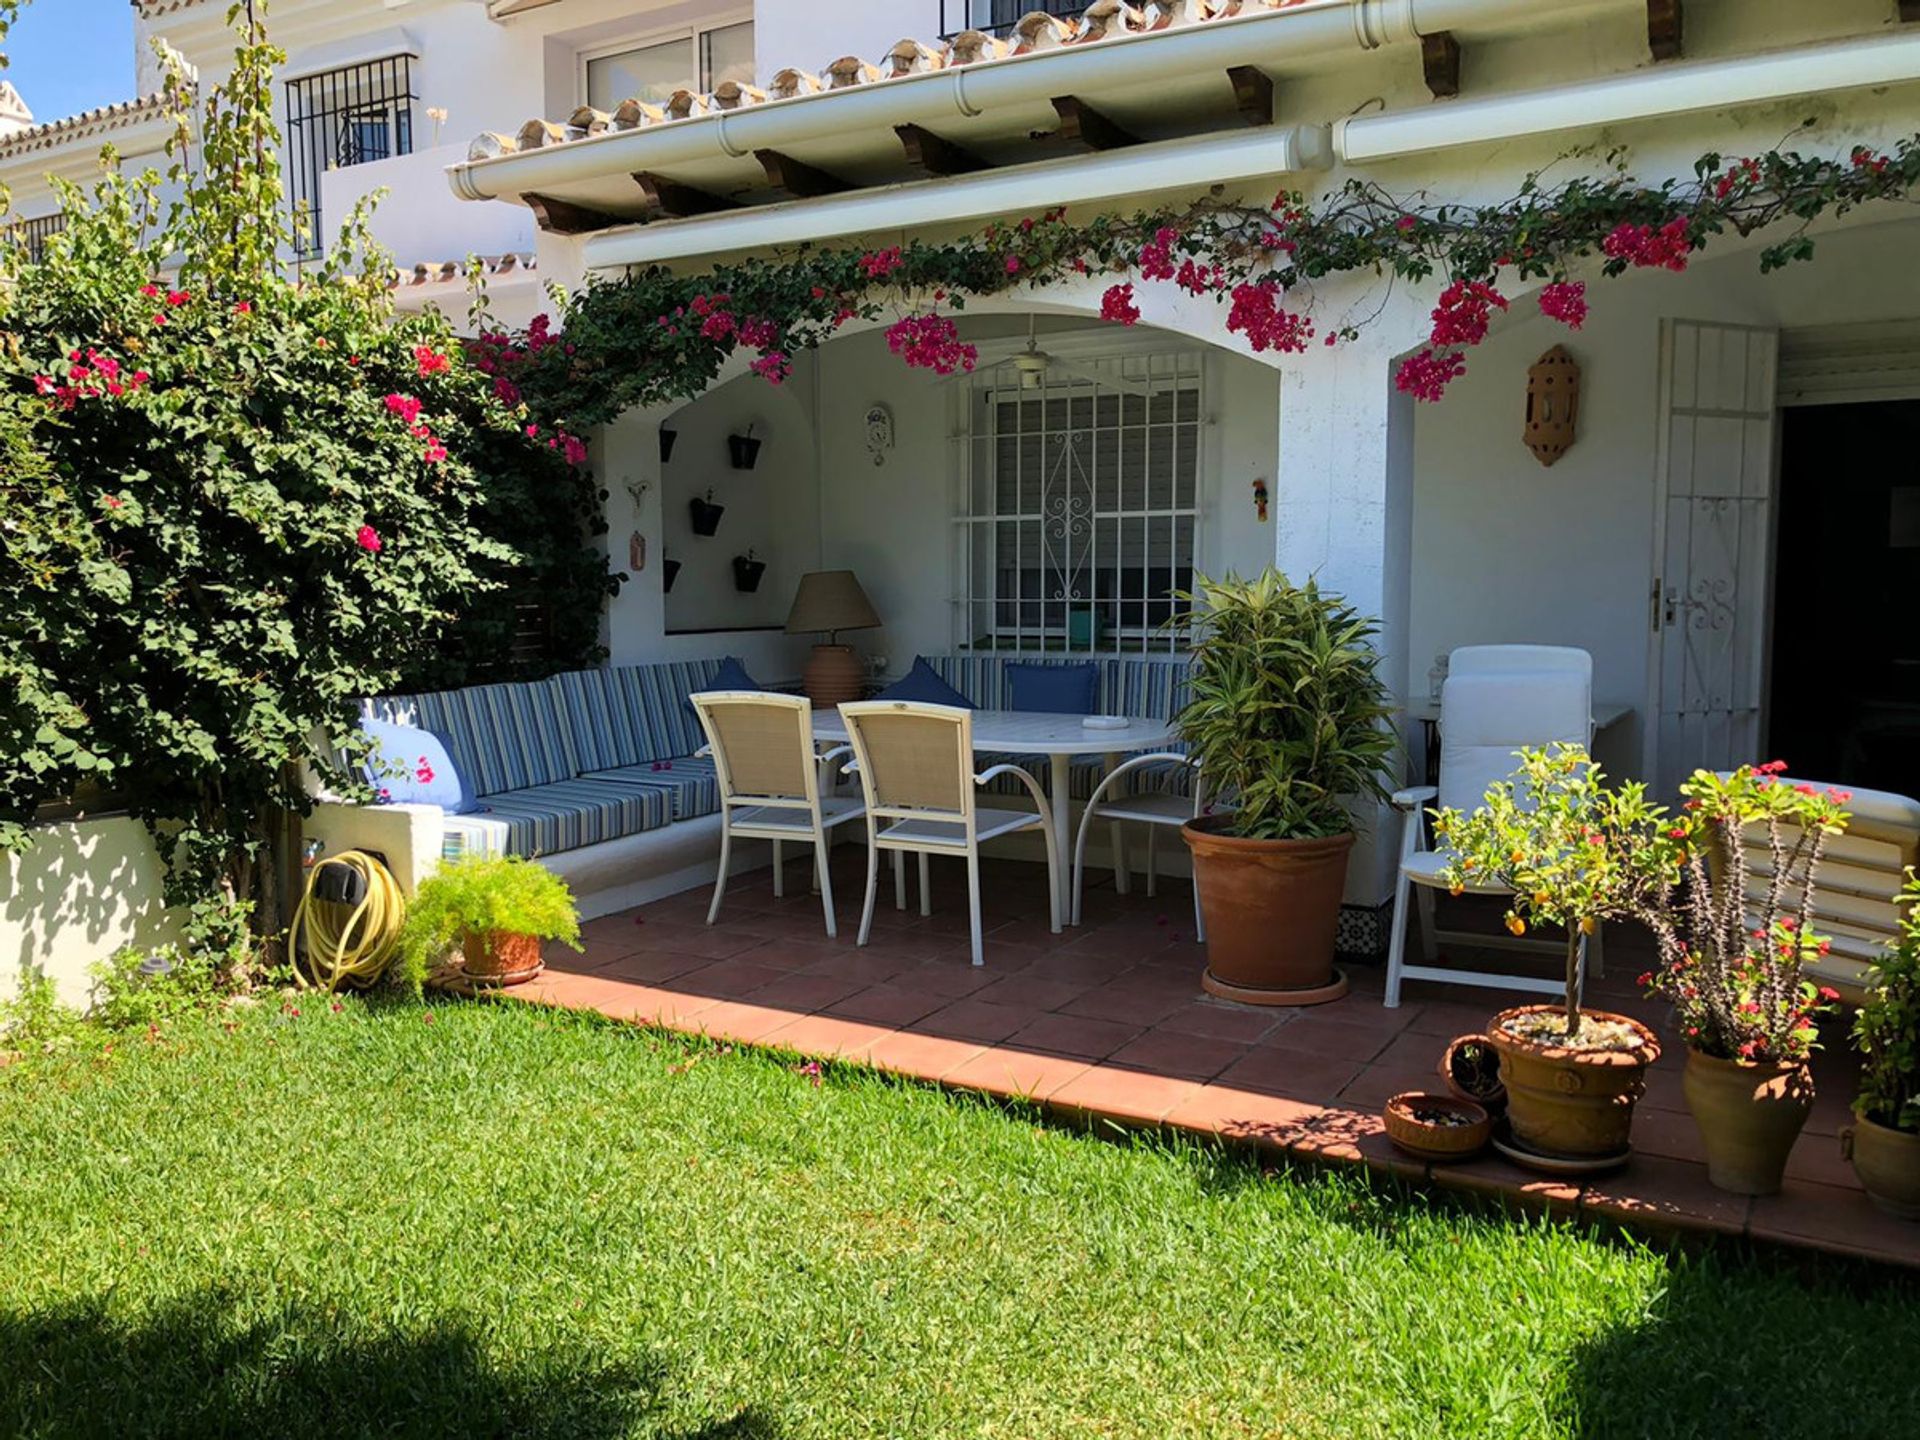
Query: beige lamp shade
[[830, 600]]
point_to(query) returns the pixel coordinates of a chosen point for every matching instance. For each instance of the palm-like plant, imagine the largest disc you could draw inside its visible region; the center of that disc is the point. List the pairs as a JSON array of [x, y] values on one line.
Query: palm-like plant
[[1286, 712]]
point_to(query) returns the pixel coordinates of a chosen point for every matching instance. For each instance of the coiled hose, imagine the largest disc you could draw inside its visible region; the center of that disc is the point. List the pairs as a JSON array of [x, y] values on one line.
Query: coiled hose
[[338, 943]]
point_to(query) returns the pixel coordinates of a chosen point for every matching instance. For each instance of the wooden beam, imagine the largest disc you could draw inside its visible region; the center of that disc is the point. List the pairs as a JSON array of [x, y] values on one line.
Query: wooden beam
[[1663, 28], [1253, 93], [797, 178], [1081, 124], [937, 155], [1440, 58], [564, 217], [670, 200]]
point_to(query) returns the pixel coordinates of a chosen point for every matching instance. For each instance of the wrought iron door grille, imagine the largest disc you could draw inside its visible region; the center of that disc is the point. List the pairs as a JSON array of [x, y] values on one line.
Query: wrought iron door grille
[[1078, 515], [998, 17], [344, 117], [33, 234]]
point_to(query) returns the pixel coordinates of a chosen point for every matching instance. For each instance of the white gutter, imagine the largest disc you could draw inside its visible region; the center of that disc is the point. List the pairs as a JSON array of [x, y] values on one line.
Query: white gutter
[[1279, 39], [1644, 95], [1135, 170]]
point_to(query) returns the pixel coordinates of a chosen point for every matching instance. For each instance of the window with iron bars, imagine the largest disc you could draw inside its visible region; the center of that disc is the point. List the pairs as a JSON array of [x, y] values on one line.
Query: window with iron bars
[[349, 116], [1079, 506], [33, 234], [998, 17]]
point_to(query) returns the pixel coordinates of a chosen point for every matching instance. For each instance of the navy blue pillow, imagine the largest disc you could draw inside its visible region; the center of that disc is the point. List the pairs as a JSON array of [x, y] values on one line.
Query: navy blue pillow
[[732, 675], [922, 685], [1057, 689]]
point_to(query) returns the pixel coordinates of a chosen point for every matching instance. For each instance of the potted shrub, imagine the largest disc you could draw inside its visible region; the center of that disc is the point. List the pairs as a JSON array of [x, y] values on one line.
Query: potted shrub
[[1732, 958], [497, 909], [1884, 1140], [1288, 718], [1573, 853]]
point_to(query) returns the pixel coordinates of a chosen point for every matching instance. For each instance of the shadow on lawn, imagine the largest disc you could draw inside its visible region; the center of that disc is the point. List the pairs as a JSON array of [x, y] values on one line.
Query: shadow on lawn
[[200, 1369]]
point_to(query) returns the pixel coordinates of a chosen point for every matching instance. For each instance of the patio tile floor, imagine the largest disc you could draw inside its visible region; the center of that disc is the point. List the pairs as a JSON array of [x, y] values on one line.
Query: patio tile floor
[[1107, 1024]]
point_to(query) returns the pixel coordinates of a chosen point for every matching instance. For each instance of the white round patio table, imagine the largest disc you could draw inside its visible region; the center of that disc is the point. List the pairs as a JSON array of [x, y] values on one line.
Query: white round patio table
[[1058, 737]]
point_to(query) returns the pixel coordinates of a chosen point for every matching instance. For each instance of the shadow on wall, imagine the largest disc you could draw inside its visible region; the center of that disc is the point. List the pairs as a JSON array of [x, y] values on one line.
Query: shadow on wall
[[210, 1365], [83, 890]]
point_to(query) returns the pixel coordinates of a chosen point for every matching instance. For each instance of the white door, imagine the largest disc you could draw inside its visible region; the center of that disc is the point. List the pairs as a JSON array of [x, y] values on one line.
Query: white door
[[1712, 539]]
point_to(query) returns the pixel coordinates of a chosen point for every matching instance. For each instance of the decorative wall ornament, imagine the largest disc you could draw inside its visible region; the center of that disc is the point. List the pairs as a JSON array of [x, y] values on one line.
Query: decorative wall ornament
[[1260, 500], [879, 433], [1553, 405], [636, 552]]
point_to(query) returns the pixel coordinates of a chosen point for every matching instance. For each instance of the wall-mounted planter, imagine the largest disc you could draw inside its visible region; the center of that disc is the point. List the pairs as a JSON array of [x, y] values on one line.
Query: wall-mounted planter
[[743, 451], [705, 514], [669, 572], [747, 572], [667, 437]]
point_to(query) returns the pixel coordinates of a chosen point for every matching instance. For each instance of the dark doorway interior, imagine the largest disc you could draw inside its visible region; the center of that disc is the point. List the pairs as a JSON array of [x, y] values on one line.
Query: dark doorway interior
[[1845, 677]]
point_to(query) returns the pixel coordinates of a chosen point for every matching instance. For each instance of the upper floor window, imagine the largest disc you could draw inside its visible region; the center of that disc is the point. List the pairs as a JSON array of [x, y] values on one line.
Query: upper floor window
[[344, 117], [652, 72], [32, 234]]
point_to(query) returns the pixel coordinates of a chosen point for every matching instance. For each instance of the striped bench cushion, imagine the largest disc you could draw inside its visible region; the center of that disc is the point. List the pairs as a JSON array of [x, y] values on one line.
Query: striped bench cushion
[[690, 781], [502, 737], [548, 819], [1150, 686]]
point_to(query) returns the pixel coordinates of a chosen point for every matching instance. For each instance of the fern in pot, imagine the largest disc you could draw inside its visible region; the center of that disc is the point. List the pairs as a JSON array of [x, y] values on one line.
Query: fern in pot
[[497, 910], [1288, 717]]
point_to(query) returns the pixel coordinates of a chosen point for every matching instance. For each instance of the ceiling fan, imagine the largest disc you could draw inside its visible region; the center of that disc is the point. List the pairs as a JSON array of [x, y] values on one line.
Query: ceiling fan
[[1032, 365]]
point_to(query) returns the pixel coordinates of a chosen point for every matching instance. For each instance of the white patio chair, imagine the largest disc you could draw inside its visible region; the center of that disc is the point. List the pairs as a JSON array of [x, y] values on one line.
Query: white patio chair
[[1154, 809], [763, 754], [915, 764], [1496, 701]]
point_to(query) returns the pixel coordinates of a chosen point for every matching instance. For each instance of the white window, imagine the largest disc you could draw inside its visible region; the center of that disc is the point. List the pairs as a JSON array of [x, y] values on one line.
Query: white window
[[696, 60], [1079, 504]]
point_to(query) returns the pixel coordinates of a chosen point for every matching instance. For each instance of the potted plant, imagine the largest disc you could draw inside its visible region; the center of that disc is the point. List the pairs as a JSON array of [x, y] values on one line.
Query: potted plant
[[669, 572], [1573, 853], [1287, 716], [497, 909], [704, 514], [1470, 1066], [1884, 1140], [743, 451], [747, 570]]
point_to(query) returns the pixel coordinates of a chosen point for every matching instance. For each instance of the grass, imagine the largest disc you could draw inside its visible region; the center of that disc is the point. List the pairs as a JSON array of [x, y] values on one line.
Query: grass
[[489, 1220]]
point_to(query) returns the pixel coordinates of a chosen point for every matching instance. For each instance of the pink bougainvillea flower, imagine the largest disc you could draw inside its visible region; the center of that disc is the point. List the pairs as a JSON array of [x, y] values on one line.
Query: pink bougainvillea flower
[[1013, 264], [1565, 301], [1256, 312], [576, 450], [1425, 374], [150, 290], [1118, 306], [878, 264], [1465, 310], [368, 539], [405, 406], [178, 298], [243, 307], [434, 453], [773, 367]]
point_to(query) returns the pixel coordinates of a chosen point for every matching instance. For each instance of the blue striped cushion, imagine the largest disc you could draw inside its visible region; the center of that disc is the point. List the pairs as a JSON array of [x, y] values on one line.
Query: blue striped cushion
[[502, 737], [691, 783], [602, 728], [654, 698], [547, 819]]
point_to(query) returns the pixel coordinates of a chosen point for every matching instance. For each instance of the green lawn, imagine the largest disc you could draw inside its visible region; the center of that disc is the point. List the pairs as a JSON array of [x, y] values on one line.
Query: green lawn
[[486, 1220]]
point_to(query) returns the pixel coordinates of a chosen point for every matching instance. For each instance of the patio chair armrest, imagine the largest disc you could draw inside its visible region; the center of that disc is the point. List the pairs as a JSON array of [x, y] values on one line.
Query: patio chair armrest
[[1026, 779], [827, 755], [1411, 799], [704, 752]]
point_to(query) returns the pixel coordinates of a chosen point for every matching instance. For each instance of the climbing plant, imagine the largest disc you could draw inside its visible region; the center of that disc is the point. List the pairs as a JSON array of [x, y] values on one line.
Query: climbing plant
[[233, 500], [656, 335]]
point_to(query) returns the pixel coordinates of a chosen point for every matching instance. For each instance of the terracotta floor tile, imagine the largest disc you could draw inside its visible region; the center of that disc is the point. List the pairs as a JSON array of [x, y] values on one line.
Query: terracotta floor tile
[[1298, 1077], [656, 1005], [1078, 967], [1222, 1020], [803, 994], [726, 979], [1413, 1051], [1358, 1013], [1072, 1035], [922, 1057], [889, 1004], [828, 1036], [1837, 1219], [1311, 1035], [596, 952], [1818, 1157], [1670, 1134], [652, 966], [1272, 1122], [1127, 1097], [1135, 1000], [870, 966], [1168, 1052], [1491, 1174], [1015, 1073], [1448, 1017], [972, 1018], [947, 979], [1031, 992], [1377, 1084], [1652, 1192], [714, 942], [1356, 1137], [1120, 943], [742, 1023]]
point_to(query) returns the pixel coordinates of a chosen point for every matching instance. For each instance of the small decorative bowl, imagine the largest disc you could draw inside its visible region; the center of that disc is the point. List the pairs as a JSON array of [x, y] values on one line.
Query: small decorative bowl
[[1437, 1127]]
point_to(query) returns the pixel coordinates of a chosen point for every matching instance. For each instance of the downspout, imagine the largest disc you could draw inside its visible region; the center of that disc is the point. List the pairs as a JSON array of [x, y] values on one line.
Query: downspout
[[1279, 39]]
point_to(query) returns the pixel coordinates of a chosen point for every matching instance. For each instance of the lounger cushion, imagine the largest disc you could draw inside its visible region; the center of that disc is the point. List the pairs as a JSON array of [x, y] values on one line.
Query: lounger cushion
[[690, 783], [566, 815]]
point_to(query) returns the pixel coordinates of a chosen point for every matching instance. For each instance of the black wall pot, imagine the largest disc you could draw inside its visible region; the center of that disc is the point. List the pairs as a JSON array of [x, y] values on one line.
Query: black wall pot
[[669, 572], [667, 437], [743, 451], [747, 572], [705, 515]]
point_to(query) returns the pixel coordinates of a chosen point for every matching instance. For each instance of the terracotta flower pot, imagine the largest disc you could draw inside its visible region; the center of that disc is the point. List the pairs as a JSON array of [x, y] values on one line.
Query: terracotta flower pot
[[1437, 1127], [499, 958], [1749, 1116], [1888, 1164], [1470, 1066], [1573, 1104], [1272, 909]]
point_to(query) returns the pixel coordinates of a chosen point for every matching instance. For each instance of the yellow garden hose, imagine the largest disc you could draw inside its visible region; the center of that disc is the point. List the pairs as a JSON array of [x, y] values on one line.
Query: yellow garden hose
[[338, 944]]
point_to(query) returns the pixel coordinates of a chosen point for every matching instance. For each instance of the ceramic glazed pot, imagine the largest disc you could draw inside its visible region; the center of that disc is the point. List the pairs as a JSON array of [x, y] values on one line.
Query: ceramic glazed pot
[[743, 451], [1272, 909], [1571, 1104], [499, 958], [1749, 1116], [747, 573], [1888, 1164], [705, 515]]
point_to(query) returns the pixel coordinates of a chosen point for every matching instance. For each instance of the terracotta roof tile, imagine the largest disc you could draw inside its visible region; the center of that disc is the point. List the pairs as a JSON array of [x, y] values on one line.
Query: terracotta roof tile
[[98, 121]]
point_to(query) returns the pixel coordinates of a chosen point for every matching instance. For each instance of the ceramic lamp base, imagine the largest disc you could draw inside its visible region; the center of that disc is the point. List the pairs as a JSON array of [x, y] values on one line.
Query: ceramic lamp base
[[834, 674]]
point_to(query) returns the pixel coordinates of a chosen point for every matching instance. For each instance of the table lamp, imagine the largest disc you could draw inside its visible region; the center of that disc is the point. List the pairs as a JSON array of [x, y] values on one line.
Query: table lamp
[[832, 601]]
